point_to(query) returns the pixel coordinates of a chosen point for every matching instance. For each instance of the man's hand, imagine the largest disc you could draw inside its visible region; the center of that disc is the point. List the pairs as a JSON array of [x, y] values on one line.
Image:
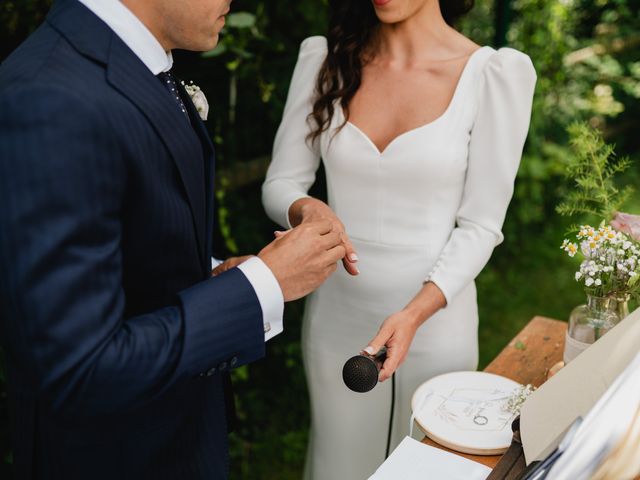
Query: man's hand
[[229, 263], [311, 210], [304, 258]]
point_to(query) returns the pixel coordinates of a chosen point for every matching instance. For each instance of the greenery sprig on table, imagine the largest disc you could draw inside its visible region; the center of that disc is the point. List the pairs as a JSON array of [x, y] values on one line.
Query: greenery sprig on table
[[593, 168], [611, 266]]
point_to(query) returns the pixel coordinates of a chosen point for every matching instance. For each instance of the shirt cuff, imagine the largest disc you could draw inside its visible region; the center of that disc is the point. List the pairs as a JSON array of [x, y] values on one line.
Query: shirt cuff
[[269, 295]]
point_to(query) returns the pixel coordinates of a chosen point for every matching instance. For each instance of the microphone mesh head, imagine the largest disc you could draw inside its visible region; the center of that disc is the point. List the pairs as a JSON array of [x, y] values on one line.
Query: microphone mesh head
[[360, 374]]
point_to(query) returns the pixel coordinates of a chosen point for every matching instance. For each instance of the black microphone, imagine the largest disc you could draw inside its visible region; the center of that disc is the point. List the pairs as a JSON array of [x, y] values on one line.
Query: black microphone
[[360, 373]]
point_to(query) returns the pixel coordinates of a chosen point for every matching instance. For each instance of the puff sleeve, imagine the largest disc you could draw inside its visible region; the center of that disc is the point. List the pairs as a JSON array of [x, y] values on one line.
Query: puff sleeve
[[504, 100], [295, 162]]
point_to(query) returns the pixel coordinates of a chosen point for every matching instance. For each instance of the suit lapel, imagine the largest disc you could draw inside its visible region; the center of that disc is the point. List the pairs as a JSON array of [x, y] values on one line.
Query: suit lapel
[[129, 76], [209, 163]]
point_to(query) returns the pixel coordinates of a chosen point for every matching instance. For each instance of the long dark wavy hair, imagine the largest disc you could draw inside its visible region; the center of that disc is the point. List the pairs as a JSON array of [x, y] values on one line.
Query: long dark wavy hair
[[351, 26]]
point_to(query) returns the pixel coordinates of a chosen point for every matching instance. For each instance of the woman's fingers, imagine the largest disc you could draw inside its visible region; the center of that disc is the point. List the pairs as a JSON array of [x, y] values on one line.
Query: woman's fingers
[[351, 257], [379, 341], [390, 365]]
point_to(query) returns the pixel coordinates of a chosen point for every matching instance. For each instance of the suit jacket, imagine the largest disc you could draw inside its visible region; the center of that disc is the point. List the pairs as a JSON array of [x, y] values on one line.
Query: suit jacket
[[117, 340]]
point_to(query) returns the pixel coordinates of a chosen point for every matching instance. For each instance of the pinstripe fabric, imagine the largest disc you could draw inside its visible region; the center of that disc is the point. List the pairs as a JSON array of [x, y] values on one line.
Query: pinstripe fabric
[[107, 313]]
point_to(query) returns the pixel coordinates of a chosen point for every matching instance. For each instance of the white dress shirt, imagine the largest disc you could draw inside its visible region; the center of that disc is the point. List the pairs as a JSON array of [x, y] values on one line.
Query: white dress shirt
[[147, 48]]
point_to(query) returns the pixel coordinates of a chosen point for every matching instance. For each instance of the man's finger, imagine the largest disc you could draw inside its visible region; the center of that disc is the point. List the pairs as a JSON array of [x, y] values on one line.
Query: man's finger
[[219, 269], [331, 240], [334, 254], [321, 227]]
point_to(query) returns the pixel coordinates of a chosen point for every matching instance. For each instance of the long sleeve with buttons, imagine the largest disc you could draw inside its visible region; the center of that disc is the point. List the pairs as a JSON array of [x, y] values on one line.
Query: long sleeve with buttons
[[497, 139]]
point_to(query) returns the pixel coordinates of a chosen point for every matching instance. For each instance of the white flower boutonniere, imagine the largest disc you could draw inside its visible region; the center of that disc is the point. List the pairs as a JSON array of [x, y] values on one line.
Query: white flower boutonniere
[[198, 98]]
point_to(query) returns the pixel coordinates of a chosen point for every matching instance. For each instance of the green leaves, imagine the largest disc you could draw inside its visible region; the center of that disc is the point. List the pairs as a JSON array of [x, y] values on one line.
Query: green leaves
[[216, 52], [241, 20], [593, 168], [240, 29]]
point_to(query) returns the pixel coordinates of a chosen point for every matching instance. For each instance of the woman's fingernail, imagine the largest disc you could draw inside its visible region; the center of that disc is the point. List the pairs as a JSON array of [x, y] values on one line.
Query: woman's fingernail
[[369, 350], [381, 377], [353, 257]]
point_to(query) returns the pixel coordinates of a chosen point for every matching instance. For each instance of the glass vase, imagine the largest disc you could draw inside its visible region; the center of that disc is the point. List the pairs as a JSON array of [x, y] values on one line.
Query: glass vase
[[587, 323]]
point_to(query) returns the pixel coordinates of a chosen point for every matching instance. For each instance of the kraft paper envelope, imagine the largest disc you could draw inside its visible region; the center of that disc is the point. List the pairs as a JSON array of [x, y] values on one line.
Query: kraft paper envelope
[[572, 392]]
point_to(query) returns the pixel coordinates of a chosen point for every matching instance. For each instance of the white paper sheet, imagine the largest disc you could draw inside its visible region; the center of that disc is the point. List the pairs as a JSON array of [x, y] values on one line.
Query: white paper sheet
[[412, 460]]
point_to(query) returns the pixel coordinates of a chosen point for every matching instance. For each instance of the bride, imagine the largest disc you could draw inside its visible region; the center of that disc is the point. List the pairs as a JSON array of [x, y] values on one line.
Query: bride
[[421, 133]]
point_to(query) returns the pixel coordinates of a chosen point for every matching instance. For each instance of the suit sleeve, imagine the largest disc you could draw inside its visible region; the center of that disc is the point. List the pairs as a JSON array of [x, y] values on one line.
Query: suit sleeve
[[62, 190], [497, 138]]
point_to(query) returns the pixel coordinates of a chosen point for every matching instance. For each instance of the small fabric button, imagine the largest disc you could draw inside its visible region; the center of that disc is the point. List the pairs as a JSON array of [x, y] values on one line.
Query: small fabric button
[[211, 371], [234, 362], [267, 327]]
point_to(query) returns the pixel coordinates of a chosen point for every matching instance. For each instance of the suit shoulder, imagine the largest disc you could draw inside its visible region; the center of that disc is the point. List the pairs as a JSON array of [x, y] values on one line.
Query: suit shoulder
[[47, 59], [24, 63]]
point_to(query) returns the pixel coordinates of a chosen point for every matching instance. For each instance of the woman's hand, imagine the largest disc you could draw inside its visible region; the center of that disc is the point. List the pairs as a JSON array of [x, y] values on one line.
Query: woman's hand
[[312, 209], [398, 330], [396, 333], [228, 264]]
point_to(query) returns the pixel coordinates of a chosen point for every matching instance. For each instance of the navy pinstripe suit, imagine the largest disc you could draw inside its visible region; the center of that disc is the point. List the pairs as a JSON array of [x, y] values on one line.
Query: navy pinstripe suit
[[117, 340]]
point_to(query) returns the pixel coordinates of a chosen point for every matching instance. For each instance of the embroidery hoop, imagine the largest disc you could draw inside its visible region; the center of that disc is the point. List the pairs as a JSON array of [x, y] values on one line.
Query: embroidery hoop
[[463, 411]]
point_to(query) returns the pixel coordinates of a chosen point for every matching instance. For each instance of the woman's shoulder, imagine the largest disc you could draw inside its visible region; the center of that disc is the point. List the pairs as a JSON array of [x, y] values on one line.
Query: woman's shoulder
[[507, 61], [316, 45]]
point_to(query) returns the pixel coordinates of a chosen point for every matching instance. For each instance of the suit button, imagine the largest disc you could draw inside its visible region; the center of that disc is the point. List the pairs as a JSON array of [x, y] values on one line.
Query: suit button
[[234, 362], [211, 371], [223, 366]]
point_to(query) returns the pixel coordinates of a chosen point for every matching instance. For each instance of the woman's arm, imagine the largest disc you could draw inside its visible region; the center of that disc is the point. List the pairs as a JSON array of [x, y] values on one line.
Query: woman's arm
[[296, 159]]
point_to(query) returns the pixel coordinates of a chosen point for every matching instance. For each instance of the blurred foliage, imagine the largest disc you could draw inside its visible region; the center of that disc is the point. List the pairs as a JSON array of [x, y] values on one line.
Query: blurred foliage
[[586, 53], [593, 169]]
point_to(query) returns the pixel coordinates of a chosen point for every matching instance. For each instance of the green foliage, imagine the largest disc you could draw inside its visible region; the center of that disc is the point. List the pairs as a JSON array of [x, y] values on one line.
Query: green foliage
[[593, 169]]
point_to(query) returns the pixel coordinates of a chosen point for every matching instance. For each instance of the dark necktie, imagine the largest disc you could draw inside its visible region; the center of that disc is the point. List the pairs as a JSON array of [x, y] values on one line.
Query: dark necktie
[[169, 82]]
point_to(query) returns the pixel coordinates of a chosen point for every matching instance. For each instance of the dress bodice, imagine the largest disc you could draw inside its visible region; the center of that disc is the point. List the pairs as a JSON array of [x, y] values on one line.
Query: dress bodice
[[407, 194], [444, 185]]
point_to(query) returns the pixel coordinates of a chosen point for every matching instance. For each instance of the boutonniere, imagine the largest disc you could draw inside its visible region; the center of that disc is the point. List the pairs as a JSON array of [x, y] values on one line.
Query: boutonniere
[[198, 98]]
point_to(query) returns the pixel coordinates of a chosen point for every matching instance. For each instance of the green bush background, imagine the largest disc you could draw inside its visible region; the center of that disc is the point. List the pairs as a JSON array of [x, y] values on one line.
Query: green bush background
[[587, 55]]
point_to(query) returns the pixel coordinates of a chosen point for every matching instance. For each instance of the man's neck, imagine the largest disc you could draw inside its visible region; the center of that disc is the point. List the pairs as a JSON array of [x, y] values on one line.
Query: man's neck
[[146, 14]]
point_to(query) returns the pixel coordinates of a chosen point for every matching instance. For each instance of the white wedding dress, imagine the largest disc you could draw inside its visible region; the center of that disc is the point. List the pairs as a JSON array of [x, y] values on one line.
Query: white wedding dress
[[429, 207]]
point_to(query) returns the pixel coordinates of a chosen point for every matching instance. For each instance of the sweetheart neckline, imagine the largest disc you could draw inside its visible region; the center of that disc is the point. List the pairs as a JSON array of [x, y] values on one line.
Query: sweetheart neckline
[[436, 120]]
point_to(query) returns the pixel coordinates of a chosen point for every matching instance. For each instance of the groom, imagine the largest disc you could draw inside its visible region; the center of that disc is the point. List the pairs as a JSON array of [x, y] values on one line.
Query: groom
[[119, 343]]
